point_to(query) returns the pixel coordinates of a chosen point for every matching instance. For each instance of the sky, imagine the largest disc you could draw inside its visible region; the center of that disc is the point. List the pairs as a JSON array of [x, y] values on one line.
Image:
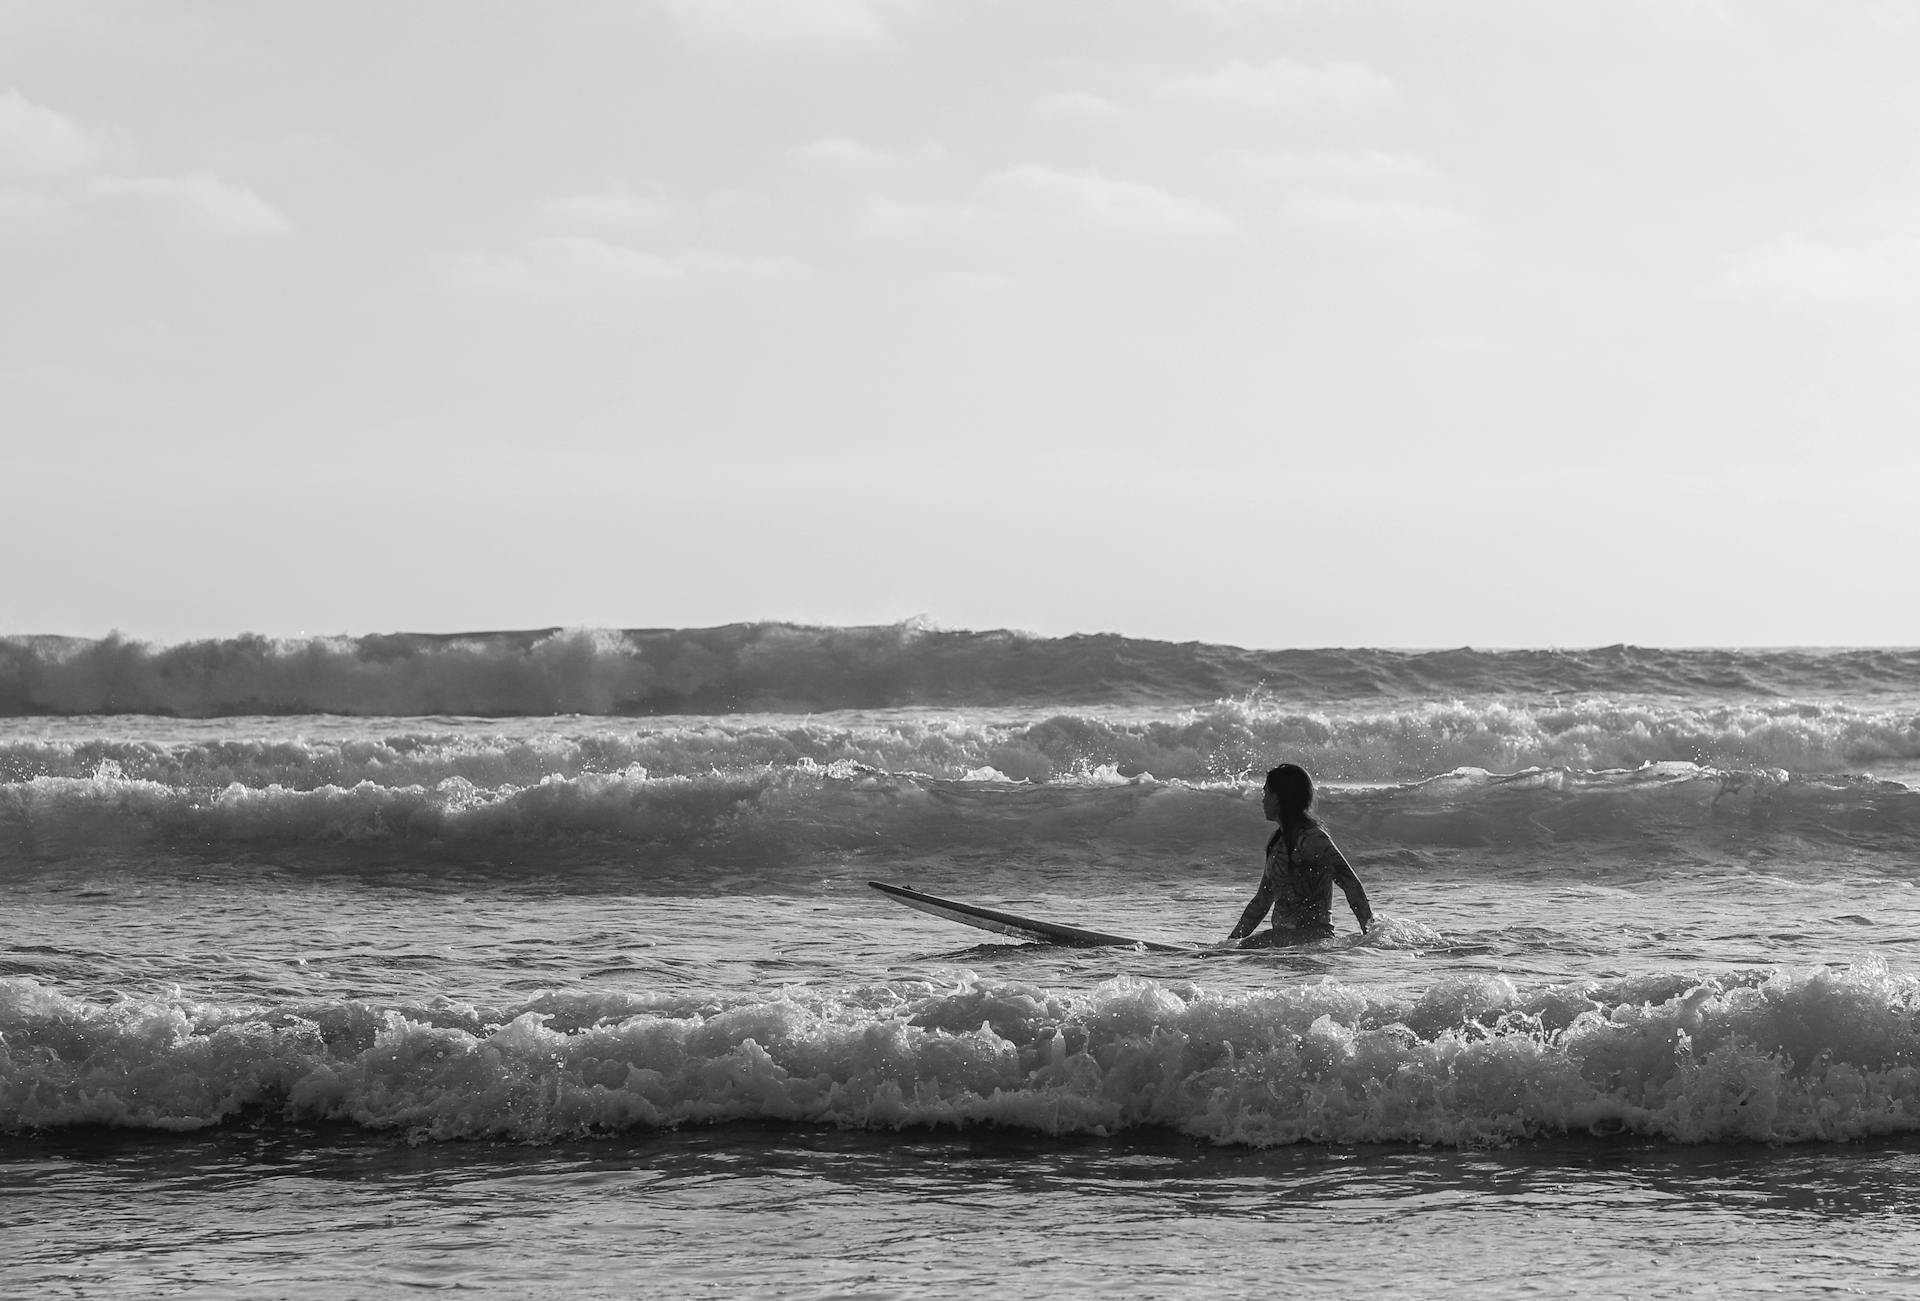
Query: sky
[[1270, 322]]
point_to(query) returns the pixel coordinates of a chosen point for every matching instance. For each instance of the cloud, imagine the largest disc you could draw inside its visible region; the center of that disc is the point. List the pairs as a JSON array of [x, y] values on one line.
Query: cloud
[[29, 207], [840, 153], [1077, 106], [1239, 10], [612, 210], [36, 141], [798, 26], [1397, 221], [975, 286], [1464, 343], [1332, 167], [1285, 85], [580, 267], [837, 152], [1711, 20], [1089, 197], [1032, 199], [197, 200], [59, 163], [1799, 269], [612, 247]]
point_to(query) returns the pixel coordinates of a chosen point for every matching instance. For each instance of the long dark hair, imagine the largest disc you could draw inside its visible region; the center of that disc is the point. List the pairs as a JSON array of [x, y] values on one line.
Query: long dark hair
[[1294, 790]]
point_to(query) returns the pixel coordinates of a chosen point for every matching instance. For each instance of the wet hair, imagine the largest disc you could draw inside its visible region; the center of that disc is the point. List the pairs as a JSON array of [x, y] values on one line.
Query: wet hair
[[1294, 790]]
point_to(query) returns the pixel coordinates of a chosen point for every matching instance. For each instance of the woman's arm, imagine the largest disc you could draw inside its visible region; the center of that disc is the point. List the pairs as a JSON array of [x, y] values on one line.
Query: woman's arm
[[1249, 919], [1343, 876], [1356, 896], [1329, 858]]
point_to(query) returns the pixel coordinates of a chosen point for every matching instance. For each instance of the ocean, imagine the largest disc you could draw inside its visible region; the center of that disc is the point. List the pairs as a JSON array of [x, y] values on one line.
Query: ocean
[[544, 964]]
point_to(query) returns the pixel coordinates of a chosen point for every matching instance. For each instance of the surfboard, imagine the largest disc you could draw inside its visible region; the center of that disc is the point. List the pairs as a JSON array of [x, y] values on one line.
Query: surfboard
[[1026, 928]]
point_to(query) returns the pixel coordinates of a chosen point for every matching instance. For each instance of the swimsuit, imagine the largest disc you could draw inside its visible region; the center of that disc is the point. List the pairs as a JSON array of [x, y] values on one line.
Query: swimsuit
[[1302, 881]]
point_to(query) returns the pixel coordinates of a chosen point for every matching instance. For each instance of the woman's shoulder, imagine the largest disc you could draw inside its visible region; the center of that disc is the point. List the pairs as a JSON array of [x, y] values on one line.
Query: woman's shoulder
[[1315, 840]]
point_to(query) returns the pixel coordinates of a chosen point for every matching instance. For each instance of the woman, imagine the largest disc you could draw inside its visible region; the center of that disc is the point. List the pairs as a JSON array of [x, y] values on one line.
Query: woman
[[1303, 866]]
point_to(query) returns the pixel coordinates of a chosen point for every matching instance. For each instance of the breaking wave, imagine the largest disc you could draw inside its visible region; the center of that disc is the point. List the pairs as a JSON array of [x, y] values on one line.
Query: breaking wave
[[1777, 1057], [845, 813], [782, 667], [1225, 741]]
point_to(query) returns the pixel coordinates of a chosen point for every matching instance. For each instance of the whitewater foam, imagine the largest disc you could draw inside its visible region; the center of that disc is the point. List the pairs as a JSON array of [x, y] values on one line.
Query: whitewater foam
[[1786, 1056], [827, 814], [1223, 741]]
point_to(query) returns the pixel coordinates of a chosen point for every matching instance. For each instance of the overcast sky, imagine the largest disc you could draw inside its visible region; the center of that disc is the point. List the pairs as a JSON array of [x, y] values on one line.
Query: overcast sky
[[1275, 322]]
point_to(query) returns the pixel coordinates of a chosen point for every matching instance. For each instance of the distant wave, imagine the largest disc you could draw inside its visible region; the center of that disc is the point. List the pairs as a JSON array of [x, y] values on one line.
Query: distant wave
[[746, 828], [1229, 740], [1765, 1057], [783, 667]]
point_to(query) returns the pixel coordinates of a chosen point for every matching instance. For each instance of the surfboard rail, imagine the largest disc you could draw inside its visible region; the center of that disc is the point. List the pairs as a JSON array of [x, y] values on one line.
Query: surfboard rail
[[1026, 928]]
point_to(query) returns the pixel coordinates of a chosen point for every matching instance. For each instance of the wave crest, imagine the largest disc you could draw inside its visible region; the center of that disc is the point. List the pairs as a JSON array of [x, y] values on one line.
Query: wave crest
[[837, 817], [783, 667], [1781, 1057], [1232, 740]]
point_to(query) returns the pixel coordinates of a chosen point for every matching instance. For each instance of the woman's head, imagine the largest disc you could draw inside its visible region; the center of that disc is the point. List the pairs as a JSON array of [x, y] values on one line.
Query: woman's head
[[1290, 792]]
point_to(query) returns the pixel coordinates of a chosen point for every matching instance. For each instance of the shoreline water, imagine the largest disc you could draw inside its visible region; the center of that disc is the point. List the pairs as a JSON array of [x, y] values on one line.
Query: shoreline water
[[781, 1211]]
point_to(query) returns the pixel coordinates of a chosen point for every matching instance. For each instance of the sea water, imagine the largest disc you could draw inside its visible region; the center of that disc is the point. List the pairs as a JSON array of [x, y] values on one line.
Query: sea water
[[316, 982]]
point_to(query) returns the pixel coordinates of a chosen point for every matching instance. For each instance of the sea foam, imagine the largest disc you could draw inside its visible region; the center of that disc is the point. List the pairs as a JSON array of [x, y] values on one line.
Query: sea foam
[[1223, 740], [817, 814], [1788, 1056]]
